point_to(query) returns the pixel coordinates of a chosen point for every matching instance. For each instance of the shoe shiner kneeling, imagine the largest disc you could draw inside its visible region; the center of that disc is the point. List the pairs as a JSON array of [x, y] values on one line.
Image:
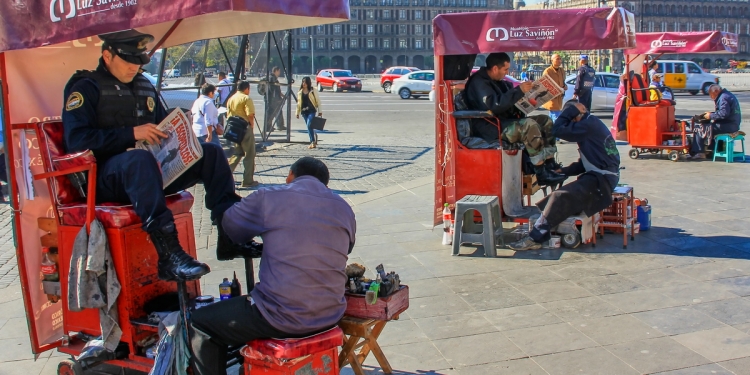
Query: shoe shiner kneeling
[[597, 168]]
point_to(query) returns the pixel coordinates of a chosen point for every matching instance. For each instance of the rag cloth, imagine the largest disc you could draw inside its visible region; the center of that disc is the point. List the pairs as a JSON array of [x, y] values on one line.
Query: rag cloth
[[92, 281], [172, 353]]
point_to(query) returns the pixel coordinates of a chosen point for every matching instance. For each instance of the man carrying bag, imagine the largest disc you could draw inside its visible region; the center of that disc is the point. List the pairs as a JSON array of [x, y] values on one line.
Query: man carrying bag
[[241, 108]]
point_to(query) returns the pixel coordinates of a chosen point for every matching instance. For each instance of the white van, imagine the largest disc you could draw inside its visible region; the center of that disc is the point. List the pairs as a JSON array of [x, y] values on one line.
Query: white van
[[687, 76]]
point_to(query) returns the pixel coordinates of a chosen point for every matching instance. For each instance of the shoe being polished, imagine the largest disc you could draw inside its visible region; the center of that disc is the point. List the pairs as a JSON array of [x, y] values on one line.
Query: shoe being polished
[[525, 243], [546, 177], [228, 250], [174, 263]]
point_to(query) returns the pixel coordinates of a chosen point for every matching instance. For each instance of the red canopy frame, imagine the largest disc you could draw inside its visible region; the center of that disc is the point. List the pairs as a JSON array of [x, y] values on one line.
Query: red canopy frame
[[459, 37]]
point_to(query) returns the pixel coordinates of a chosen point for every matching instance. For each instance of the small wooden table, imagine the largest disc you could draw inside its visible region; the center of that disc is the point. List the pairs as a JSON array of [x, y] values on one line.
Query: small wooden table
[[362, 334]]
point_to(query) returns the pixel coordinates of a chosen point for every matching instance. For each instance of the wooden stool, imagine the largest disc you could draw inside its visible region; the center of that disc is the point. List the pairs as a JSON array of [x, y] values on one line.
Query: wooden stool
[[362, 334]]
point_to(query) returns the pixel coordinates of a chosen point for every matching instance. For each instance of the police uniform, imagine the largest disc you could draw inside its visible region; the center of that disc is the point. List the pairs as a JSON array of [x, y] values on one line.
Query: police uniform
[[585, 83], [100, 115]]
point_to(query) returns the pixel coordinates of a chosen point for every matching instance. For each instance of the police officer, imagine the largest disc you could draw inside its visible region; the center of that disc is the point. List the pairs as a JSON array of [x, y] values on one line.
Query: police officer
[[106, 111], [584, 83]]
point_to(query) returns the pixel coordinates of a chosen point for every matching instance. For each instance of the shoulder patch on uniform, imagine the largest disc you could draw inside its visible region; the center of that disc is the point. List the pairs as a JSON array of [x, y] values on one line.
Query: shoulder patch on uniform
[[151, 104], [75, 100]]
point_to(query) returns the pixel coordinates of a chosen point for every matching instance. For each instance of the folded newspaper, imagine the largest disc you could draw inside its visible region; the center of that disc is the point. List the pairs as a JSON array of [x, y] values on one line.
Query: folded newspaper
[[179, 151], [543, 90]]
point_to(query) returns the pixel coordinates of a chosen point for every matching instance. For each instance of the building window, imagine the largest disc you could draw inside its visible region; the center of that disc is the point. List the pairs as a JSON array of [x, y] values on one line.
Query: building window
[[370, 29], [432, 44], [387, 14], [303, 30], [743, 47], [418, 29], [370, 44], [402, 14], [386, 43], [418, 44], [402, 29], [337, 44], [337, 29], [321, 44], [417, 14], [370, 14], [403, 44], [303, 44], [737, 28], [353, 14], [387, 29], [352, 29], [353, 43], [321, 29]]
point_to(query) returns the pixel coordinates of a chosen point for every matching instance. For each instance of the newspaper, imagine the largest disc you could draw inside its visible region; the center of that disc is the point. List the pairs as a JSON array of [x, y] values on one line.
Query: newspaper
[[179, 151], [543, 90]]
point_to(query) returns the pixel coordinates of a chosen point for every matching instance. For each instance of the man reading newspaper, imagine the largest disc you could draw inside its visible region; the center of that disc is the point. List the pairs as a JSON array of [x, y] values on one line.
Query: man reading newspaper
[[111, 108], [487, 90]]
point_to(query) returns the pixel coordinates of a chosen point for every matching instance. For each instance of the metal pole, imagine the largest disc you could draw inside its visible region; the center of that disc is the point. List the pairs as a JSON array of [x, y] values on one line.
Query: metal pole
[[312, 51], [162, 65], [266, 115], [289, 88]]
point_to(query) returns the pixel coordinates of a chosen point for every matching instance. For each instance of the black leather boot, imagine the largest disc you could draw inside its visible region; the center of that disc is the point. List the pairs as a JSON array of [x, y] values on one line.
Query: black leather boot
[[552, 165], [228, 250], [545, 177], [174, 263]]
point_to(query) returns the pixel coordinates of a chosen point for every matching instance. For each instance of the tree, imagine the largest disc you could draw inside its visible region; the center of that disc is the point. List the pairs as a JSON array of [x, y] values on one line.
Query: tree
[[429, 62], [216, 56], [324, 62]]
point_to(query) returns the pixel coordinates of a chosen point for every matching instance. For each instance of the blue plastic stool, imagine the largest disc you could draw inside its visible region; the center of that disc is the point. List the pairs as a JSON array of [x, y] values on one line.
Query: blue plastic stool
[[729, 153]]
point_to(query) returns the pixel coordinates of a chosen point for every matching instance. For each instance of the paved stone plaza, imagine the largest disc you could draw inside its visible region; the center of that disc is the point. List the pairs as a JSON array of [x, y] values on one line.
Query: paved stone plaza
[[676, 301]]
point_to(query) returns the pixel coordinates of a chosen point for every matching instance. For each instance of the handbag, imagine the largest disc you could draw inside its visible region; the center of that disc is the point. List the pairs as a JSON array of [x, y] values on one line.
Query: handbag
[[318, 123], [236, 129]]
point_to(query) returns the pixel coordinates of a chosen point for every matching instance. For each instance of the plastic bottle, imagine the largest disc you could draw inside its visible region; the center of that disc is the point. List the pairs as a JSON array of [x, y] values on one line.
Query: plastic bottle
[[49, 267], [235, 287], [447, 235], [225, 289]]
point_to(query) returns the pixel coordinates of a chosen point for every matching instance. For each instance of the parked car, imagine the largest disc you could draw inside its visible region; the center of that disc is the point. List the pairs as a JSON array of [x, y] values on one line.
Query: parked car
[[414, 84], [230, 76], [338, 80], [387, 78], [152, 79], [208, 74], [606, 86], [680, 75], [172, 73]]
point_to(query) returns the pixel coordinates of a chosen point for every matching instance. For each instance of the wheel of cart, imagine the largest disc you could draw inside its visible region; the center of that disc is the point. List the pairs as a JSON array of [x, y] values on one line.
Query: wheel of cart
[[69, 367]]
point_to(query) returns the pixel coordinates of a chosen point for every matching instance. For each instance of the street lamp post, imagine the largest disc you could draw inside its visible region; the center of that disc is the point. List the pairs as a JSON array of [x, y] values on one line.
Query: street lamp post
[[312, 51]]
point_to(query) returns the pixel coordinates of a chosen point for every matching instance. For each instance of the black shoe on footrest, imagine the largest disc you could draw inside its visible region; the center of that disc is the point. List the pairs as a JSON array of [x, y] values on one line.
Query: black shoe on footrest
[[545, 177], [552, 165], [228, 250], [174, 263]]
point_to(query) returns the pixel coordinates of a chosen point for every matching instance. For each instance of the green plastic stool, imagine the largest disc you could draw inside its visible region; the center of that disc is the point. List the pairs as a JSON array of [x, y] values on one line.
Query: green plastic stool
[[729, 153]]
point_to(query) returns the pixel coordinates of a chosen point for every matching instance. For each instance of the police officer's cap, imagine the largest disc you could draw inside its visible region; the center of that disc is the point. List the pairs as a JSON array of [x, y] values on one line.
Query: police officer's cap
[[584, 57], [130, 45]]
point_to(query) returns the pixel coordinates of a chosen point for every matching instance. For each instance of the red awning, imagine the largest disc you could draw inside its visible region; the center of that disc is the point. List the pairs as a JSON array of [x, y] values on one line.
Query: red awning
[[693, 42], [533, 30], [36, 23]]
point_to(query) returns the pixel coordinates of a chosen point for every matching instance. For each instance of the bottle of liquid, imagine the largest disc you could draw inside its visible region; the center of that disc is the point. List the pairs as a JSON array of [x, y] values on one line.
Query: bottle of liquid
[[49, 267], [236, 288], [447, 235], [225, 289], [371, 296]]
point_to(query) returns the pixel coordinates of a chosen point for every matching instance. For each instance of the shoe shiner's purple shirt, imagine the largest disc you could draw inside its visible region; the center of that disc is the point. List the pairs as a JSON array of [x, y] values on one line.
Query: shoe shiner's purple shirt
[[307, 230]]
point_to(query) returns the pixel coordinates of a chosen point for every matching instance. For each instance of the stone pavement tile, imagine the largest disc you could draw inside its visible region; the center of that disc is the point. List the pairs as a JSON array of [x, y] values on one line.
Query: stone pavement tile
[[456, 325], [445, 269], [507, 260], [427, 288], [14, 328], [555, 338], [616, 329], [479, 282], [374, 370], [609, 284], [737, 285], [718, 344], [730, 311], [390, 260], [419, 246], [581, 308], [659, 278], [12, 309], [10, 294], [655, 355], [591, 361], [708, 217], [727, 238], [376, 239], [523, 366], [529, 276], [399, 332], [42, 366], [413, 273], [551, 257], [581, 270], [743, 327], [743, 246], [678, 259], [554, 291], [464, 351], [437, 305], [401, 227], [491, 299], [712, 369], [519, 317], [698, 292], [16, 349], [633, 264], [423, 235], [678, 320], [738, 366], [721, 269], [433, 257], [732, 224], [414, 358], [640, 300], [685, 242]]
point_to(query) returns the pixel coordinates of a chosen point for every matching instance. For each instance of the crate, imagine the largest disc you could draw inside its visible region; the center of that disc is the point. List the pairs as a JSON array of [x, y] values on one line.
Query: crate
[[384, 309], [530, 184]]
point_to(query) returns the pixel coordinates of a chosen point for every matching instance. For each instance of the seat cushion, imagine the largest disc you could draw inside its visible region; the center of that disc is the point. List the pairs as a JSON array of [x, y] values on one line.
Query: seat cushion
[[118, 215], [285, 349]]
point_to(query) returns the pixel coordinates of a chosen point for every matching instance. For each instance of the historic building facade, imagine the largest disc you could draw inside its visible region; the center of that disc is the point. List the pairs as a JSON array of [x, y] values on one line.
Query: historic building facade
[[678, 15], [380, 34]]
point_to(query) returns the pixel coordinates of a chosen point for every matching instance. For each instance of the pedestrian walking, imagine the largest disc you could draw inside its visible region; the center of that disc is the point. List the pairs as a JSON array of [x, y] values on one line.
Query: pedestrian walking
[[241, 105], [275, 101], [308, 104], [205, 115], [584, 83], [557, 73]]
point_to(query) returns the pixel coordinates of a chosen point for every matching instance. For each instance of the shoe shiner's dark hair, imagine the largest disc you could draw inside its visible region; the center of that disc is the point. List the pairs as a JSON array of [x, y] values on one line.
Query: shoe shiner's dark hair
[[496, 59], [569, 104], [309, 166]]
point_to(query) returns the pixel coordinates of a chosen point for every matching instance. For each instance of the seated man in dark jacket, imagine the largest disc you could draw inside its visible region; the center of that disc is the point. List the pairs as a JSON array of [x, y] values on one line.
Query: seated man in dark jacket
[[725, 120], [598, 168], [486, 90]]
